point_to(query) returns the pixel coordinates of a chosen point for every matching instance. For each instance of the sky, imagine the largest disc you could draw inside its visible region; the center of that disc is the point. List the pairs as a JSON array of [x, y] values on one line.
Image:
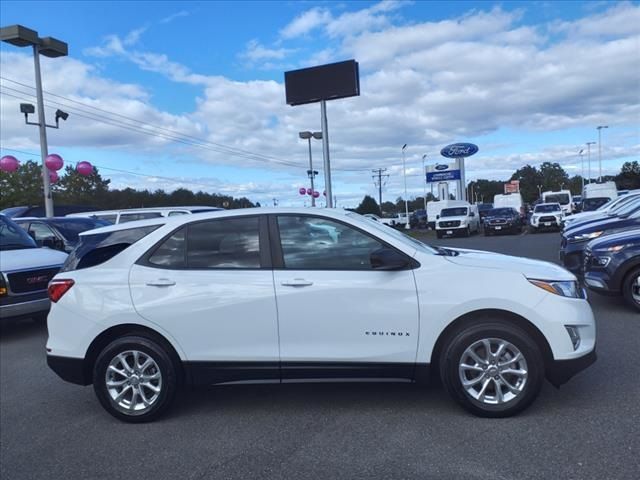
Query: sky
[[191, 94]]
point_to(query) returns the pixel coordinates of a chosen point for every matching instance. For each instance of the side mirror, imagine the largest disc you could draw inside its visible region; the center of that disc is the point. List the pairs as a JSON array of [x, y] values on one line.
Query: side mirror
[[53, 243], [437, 217], [388, 259], [472, 214]]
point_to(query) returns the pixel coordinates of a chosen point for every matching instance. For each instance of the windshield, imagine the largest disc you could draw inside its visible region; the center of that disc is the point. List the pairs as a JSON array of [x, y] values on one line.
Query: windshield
[[496, 212], [484, 207], [454, 212], [547, 208], [12, 237], [561, 198], [70, 228], [591, 204], [621, 203], [397, 234]]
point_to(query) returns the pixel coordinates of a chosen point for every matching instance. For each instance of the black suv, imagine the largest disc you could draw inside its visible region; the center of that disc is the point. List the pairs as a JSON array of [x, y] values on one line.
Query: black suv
[[59, 233], [498, 220], [612, 266], [418, 219]]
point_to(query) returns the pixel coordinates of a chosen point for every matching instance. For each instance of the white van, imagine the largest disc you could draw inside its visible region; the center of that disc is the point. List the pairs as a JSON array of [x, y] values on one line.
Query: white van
[[434, 208], [563, 197], [509, 200], [463, 219], [605, 189], [133, 214]]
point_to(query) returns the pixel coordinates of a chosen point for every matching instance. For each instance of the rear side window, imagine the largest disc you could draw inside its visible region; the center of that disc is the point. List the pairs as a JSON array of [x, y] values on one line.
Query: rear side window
[[111, 218], [96, 249], [132, 217]]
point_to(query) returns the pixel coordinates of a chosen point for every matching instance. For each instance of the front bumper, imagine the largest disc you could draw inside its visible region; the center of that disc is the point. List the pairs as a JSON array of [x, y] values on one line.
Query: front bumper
[[24, 308], [600, 281], [560, 372], [454, 230], [571, 256]]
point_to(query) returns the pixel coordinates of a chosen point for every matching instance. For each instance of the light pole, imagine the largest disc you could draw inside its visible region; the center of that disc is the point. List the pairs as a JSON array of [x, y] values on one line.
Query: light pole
[[600, 127], [424, 183], [539, 191], [49, 47], [589, 158], [581, 153], [311, 172], [406, 201]]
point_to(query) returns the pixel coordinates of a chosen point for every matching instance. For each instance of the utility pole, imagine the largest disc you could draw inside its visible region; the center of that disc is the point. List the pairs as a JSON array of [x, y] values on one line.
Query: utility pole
[[589, 158], [378, 181], [599, 128]]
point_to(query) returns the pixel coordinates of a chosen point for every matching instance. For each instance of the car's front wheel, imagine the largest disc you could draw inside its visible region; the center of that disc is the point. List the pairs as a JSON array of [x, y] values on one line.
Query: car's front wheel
[[631, 288], [135, 379], [492, 369]]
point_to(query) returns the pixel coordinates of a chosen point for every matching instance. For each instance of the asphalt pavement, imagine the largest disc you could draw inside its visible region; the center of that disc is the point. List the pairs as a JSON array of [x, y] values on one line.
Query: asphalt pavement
[[588, 429]]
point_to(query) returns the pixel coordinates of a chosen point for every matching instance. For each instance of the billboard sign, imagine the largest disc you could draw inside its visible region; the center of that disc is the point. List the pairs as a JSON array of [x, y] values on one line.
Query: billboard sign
[[443, 172], [324, 82], [459, 150]]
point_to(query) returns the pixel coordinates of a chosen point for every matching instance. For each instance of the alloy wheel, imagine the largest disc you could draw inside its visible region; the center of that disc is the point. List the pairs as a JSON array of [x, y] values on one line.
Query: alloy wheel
[[134, 381]]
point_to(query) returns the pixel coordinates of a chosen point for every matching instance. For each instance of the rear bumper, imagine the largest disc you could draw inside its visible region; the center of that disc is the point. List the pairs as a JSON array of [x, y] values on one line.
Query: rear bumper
[[561, 371], [69, 369]]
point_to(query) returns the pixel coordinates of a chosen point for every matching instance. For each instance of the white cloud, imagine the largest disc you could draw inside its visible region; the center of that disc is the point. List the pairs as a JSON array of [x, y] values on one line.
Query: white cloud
[[306, 22], [171, 18], [255, 52]]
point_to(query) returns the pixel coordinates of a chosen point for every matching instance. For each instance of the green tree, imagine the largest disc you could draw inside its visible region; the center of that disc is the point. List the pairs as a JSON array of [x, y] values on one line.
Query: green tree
[[73, 188], [529, 178], [389, 208], [553, 176], [629, 176], [368, 205], [22, 187]]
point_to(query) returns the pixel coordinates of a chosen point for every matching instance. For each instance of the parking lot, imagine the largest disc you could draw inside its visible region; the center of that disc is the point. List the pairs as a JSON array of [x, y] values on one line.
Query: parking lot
[[586, 430]]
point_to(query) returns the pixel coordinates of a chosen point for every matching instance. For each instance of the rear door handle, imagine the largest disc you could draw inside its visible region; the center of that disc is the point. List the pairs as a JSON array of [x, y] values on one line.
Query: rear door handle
[[161, 282], [297, 282]]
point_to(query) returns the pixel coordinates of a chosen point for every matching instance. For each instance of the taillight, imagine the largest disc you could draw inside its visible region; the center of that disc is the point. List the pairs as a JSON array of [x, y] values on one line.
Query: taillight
[[57, 288]]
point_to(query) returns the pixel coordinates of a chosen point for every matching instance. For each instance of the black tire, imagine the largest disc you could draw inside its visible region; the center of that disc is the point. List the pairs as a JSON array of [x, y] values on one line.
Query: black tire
[[439, 233], [166, 367], [630, 282], [486, 328], [467, 232]]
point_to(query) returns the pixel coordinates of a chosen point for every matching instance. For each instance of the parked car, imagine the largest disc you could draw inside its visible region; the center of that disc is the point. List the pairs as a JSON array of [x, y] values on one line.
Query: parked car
[[25, 271], [600, 190], [612, 266], [593, 203], [510, 200], [502, 220], [483, 209], [140, 309], [577, 203], [418, 219], [622, 208], [436, 206], [39, 211], [458, 221], [546, 216], [563, 197], [608, 208], [59, 233], [574, 240], [134, 214], [399, 221]]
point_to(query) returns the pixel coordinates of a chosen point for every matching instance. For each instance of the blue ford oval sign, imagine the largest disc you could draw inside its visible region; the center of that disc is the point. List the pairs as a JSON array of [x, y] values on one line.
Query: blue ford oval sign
[[441, 167], [459, 150]]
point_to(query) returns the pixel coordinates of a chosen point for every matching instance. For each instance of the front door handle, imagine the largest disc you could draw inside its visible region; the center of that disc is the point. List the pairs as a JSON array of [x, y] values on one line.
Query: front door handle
[[161, 282], [297, 282]]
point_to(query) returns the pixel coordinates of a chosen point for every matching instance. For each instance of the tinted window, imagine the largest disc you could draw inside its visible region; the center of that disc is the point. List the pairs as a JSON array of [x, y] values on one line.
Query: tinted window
[[171, 252], [132, 217], [95, 249], [454, 212], [70, 229], [12, 237], [224, 243], [111, 218], [40, 232], [594, 203], [507, 212], [561, 198], [320, 244], [547, 208], [176, 212]]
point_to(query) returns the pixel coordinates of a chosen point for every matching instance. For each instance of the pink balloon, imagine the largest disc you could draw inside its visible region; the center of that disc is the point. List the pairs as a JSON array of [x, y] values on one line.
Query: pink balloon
[[316, 194], [9, 163], [53, 176], [309, 192], [302, 191], [84, 168], [53, 162]]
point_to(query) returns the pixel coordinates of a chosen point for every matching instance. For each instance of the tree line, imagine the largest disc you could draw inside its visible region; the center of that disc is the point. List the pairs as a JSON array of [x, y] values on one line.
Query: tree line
[[24, 187], [533, 180]]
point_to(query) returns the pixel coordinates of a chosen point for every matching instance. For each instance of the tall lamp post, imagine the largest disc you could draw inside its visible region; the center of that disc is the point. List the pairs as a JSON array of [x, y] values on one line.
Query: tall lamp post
[[424, 182], [589, 158], [600, 127], [581, 153], [311, 172], [406, 200], [49, 47]]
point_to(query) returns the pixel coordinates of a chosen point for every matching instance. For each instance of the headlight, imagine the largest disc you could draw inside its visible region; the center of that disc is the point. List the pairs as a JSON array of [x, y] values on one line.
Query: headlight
[[3, 286], [615, 248], [563, 288], [585, 236]]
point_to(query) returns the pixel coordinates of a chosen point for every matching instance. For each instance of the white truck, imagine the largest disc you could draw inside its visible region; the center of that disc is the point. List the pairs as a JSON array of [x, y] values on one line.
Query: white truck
[[563, 197], [399, 221], [460, 220], [435, 207]]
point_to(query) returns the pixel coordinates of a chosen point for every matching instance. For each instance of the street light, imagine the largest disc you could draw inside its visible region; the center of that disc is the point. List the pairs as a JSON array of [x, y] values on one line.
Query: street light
[[589, 158], [600, 127], [581, 153], [424, 183], [49, 47], [306, 135], [539, 191], [406, 201]]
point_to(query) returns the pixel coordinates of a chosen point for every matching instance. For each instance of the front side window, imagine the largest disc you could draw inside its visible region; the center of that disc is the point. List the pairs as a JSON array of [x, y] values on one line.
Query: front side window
[[12, 237], [547, 208], [40, 232], [454, 212], [312, 243]]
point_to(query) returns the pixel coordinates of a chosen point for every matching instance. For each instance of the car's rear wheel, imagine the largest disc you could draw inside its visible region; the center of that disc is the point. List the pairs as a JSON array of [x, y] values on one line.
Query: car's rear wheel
[[492, 369], [631, 288], [135, 379]]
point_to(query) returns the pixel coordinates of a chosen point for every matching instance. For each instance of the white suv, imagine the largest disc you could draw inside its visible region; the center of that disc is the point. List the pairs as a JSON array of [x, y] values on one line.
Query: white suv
[[288, 295]]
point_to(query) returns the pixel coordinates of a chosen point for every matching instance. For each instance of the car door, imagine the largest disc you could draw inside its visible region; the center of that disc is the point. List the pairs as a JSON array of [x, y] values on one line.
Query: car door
[[337, 316], [210, 285], [41, 232]]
